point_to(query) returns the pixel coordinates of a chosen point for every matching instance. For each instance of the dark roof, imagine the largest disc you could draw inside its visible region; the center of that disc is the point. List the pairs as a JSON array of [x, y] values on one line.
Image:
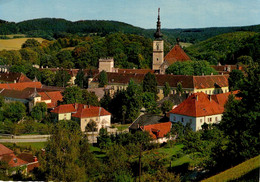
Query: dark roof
[[10, 77], [26, 157], [148, 119], [24, 94]]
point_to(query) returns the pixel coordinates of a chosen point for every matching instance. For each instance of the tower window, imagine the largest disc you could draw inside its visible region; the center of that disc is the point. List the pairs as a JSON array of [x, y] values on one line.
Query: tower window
[[157, 59], [157, 46]]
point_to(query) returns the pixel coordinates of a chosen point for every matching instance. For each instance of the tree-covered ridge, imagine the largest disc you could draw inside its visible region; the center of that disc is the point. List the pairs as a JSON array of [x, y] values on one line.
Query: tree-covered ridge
[[226, 48], [53, 27]]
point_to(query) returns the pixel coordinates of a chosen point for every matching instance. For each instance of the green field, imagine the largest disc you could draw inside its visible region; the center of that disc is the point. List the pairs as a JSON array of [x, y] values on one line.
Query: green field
[[14, 44], [121, 127]]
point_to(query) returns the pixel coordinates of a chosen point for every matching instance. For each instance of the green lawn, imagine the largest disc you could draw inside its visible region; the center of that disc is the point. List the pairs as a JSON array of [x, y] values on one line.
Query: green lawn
[[34, 145], [97, 152], [121, 127], [176, 150]]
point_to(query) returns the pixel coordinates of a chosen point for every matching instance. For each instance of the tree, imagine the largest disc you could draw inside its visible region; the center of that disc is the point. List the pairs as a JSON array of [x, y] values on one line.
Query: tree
[[62, 78], [244, 59], [47, 77], [234, 79], [89, 98], [14, 111], [104, 140], [150, 83], [166, 106], [103, 80], [166, 89], [149, 103], [39, 111], [62, 153], [106, 101], [240, 121], [80, 79], [179, 89], [72, 95], [31, 43], [91, 126]]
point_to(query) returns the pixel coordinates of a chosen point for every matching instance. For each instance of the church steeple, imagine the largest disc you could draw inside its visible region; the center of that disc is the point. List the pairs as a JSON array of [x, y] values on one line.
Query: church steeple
[[158, 34]]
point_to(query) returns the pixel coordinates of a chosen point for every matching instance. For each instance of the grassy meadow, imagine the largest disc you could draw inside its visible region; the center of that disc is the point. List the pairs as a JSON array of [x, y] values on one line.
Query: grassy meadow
[[14, 44]]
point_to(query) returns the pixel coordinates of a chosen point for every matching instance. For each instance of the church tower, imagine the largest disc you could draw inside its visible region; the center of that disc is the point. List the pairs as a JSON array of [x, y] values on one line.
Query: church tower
[[158, 54]]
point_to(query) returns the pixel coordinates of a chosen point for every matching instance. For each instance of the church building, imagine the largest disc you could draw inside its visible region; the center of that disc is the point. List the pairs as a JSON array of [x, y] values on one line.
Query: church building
[[161, 63]]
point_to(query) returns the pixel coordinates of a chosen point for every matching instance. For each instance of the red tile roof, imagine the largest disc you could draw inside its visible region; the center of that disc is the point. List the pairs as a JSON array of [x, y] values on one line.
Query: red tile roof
[[67, 108], [54, 96], [90, 111], [158, 130], [11, 77], [21, 86], [176, 54], [13, 161], [221, 99], [210, 81], [4, 150], [198, 108], [81, 110]]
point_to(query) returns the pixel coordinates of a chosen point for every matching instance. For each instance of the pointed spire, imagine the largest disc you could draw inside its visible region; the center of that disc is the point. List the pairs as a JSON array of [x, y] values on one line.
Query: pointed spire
[[158, 34]]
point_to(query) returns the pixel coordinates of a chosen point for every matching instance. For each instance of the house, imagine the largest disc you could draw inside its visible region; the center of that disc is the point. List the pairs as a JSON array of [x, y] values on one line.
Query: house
[[24, 161], [197, 109], [83, 114], [157, 126], [10, 77], [209, 84], [226, 69], [30, 97]]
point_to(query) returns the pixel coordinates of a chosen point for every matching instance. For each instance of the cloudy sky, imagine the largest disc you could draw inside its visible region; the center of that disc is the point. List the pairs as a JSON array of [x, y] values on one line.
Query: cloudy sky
[[141, 13]]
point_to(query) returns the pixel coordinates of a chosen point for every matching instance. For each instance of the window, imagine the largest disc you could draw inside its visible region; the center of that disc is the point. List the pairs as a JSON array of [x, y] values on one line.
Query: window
[[216, 118], [190, 120], [174, 118], [96, 119], [157, 59], [200, 120], [210, 92], [182, 119], [206, 92], [209, 119]]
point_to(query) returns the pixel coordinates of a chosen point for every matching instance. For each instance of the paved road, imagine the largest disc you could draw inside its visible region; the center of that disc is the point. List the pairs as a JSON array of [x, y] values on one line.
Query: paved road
[[23, 140]]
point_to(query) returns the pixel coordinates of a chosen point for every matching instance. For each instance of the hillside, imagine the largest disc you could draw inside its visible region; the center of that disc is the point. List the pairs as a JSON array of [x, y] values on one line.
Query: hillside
[[226, 48], [52, 28], [246, 171], [14, 44]]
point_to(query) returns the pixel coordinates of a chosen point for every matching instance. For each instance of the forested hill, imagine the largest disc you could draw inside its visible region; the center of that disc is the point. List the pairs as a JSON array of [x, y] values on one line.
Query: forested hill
[[228, 48], [50, 28]]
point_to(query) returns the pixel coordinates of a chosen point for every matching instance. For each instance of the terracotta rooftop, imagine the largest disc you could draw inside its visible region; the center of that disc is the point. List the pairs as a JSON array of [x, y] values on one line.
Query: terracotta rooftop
[[198, 105], [13, 161], [4, 150], [158, 130], [54, 96], [81, 110], [11, 77], [222, 98], [176, 54], [66, 108], [21, 86]]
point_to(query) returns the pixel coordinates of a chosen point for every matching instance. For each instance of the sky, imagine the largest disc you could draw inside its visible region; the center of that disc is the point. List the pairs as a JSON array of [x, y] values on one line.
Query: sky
[[141, 13]]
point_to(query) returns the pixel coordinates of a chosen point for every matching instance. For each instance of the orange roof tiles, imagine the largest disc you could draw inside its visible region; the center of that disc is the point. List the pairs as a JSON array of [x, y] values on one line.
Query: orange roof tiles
[[222, 98], [158, 130], [4, 150], [21, 86], [202, 106], [67, 108], [54, 96], [176, 54], [210, 81], [11, 77], [13, 161]]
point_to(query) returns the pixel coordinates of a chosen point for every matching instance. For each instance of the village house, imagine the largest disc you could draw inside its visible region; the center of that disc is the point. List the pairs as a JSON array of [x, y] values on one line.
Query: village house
[[197, 109], [31, 96], [157, 126], [10, 77], [83, 114], [23, 162]]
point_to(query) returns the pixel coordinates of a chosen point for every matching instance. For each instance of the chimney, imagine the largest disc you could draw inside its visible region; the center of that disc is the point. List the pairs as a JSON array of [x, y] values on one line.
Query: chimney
[[211, 73], [35, 159], [202, 74], [222, 73], [76, 106], [14, 81], [197, 98], [47, 67]]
